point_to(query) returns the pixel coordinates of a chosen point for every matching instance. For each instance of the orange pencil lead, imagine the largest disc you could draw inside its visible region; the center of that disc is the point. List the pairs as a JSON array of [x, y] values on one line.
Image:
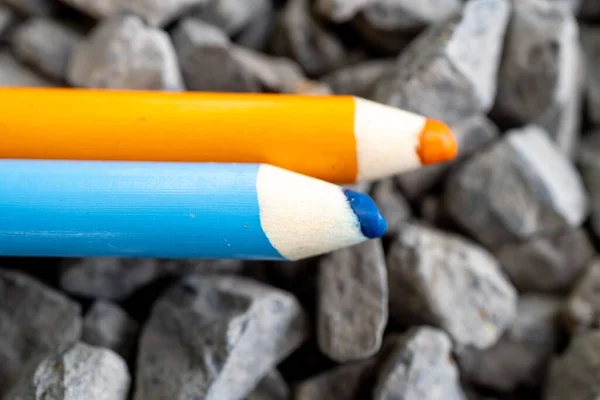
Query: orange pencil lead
[[437, 143]]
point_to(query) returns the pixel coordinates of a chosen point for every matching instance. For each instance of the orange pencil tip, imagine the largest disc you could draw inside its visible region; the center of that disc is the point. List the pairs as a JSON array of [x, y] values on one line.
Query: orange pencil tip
[[437, 143]]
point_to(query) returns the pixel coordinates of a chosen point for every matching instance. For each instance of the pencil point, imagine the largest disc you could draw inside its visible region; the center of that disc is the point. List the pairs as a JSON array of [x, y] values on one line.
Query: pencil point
[[437, 143], [372, 223]]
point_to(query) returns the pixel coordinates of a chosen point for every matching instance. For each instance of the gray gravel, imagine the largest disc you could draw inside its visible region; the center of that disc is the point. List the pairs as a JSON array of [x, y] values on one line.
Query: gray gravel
[[547, 264], [574, 374], [449, 71], [449, 282], [353, 302], [155, 13], [107, 325], [507, 193], [420, 367], [582, 308], [34, 319], [79, 372], [215, 338], [124, 53], [522, 353], [45, 45]]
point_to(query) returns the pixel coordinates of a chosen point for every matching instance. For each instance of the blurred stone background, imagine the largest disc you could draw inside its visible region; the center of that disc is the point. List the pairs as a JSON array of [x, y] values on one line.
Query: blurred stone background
[[487, 286]]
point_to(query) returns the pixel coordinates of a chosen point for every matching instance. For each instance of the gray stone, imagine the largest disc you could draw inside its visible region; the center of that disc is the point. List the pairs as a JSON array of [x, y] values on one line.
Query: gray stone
[[209, 61], [206, 59], [590, 40], [15, 74], [510, 193], [345, 382], [573, 5], [358, 79], [431, 212], [449, 282], [449, 71], [392, 204], [544, 264], [574, 374], [387, 43], [7, 19], [582, 309], [563, 120], [33, 7], [539, 58], [390, 26], [471, 134], [353, 302], [156, 13], [118, 278], [46, 45], [274, 74], [340, 10], [258, 30], [309, 86], [215, 338], [33, 319], [123, 53], [421, 367], [232, 15], [271, 387], [301, 37], [408, 15], [588, 160], [78, 372], [107, 325], [521, 355]]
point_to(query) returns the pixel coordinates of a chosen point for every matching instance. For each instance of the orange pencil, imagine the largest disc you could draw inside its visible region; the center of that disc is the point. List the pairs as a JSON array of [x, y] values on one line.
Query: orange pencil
[[341, 139]]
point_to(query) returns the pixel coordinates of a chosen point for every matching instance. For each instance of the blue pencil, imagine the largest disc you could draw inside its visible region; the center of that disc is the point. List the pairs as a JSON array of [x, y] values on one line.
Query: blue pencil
[[176, 210]]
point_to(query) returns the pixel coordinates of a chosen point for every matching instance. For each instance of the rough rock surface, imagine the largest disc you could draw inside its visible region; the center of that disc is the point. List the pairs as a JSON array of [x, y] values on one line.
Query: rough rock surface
[[123, 53], [449, 71], [590, 40], [13, 73], [582, 309], [539, 58], [78, 372], [33, 7], [353, 302], [508, 193], [421, 367], [33, 319], [301, 37], [407, 15], [471, 134], [215, 338], [588, 160], [574, 374], [358, 79], [522, 353], [206, 59], [547, 263], [449, 282], [232, 15], [45, 45], [107, 325], [7, 18], [154, 12], [345, 382], [271, 387], [392, 204], [118, 278]]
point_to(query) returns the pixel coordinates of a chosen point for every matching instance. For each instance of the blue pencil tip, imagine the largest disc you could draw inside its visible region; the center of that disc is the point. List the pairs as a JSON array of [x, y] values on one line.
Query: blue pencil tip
[[372, 223]]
